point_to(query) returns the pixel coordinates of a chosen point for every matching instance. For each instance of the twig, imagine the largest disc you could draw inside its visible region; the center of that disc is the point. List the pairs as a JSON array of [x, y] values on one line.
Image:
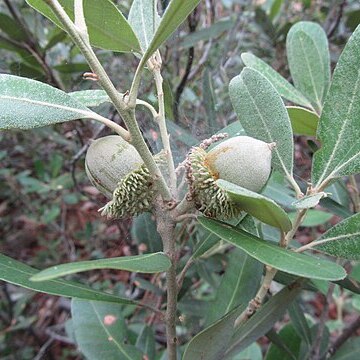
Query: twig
[[256, 302], [315, 350], [335, 24], [192, 21], [184, 206], [166, 229], [54, 336], [40, 355], [183, 217], [156, 63], [182, 275], [202, 61], [300, 215], [270, 273], [339, 341], [125, 109]]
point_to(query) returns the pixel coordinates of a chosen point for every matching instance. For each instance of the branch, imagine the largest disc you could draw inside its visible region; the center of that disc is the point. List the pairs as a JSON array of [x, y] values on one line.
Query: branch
[[127, 113], [155, 62], [193, 21], [315, 350], [351, 329]]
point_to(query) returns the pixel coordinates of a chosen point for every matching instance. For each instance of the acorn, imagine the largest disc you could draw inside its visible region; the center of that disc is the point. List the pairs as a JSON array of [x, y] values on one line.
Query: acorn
[[241, 160], [117, 170]]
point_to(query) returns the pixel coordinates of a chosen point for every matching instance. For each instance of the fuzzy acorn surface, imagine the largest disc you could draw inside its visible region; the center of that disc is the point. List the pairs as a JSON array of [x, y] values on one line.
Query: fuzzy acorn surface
[[116, 169], [108, 160], [241, 160]]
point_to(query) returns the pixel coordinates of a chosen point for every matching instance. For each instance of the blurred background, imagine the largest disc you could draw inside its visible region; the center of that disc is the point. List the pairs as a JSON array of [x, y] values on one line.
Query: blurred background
[[48, 208]]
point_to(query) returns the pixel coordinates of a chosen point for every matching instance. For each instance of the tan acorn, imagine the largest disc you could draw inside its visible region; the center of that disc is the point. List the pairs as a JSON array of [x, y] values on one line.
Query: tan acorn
[[108, 160], [241, 160], [116, 169]]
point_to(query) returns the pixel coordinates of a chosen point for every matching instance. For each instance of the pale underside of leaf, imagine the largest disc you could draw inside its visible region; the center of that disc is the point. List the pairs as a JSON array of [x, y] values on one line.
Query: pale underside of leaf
[[285, 89], [339, 129], [342, 240], [263, 115]]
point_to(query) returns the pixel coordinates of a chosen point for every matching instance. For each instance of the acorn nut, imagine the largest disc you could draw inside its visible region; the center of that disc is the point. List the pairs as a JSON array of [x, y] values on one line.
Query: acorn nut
[[116, 169], [241, 160]]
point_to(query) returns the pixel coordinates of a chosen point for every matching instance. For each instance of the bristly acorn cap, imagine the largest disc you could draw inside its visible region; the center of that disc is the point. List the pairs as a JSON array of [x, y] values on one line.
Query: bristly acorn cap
[[134, 193], [116, 169]]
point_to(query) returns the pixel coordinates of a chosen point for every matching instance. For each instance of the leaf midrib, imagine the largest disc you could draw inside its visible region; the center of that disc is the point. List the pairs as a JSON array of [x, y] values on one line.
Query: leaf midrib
[[266, 128], [69, 284], [86, 113], [108, 333], [340, 136]]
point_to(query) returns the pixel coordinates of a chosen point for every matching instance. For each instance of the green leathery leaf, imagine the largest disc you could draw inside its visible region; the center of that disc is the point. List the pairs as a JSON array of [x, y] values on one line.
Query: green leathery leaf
[[17, 273], [299, 322], [26, 104], [279, 343], [313, 217], [323, 346], [257, 205], [350, 283], [90, 98], [349, 350], [100, 331], [143, 231], [342, 240], [110, 31], [263, 115], [211, 343], [176, 12], [94, 98], [211, 32], [144, 19], [69, 68], [262, 321], [9, 26], [292, 341], [282, 86], [286, 279], [206, 243], [146, 342], [147, 263], [252, 352], [309, 61], [339, 129], [238, 285], [309, 201], [275, 9], [274, 255], [303, 121]]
